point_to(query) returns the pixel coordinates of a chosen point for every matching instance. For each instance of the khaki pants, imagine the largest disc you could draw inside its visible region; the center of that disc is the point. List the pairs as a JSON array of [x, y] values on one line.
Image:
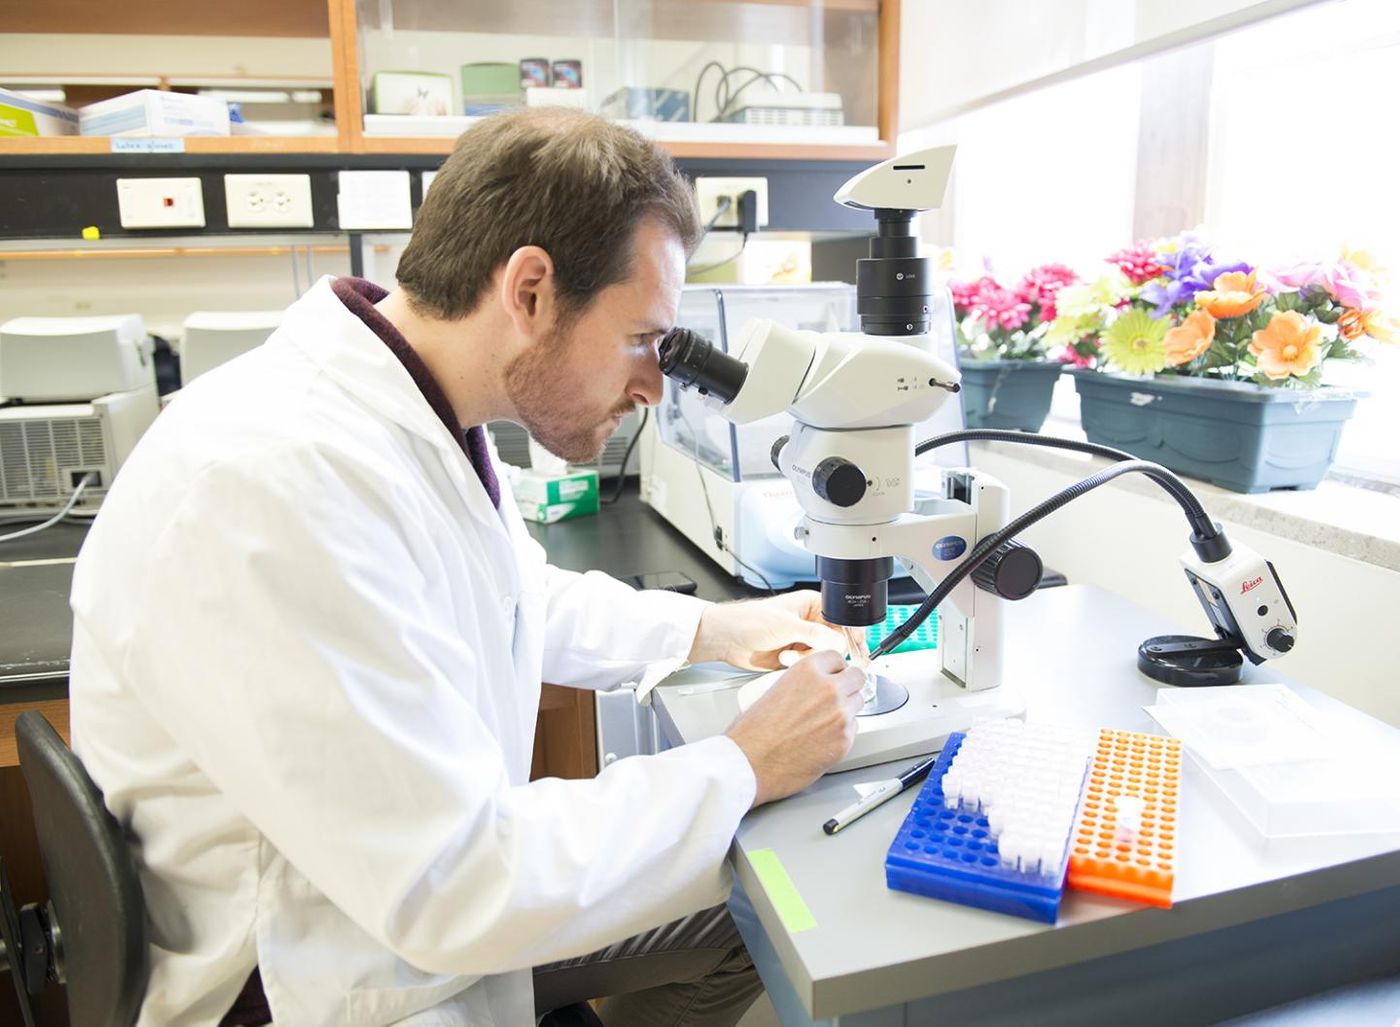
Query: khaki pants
[[693, 972]]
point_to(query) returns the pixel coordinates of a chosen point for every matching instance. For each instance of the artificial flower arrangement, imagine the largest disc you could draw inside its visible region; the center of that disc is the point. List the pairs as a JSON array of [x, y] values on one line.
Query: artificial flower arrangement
[[997, 322], [1173, 307]]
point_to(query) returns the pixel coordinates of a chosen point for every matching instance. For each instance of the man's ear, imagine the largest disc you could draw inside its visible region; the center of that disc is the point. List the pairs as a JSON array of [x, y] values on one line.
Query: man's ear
[[527, 290]]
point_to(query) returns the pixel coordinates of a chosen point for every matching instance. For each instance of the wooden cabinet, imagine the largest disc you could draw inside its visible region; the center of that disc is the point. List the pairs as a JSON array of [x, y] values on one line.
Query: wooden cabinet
[[851, 47]]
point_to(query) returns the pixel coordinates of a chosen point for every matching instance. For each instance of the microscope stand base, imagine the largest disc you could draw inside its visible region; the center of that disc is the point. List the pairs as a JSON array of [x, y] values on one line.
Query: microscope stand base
[[936, 707]]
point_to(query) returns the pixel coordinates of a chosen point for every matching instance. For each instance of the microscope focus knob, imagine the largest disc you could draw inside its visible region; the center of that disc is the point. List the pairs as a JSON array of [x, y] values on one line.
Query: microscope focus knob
[[1280, 641], [839, 481], [778, 444], [1012, 571]]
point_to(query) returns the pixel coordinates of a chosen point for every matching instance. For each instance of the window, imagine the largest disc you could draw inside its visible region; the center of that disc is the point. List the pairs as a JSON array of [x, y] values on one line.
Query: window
[[1301, 162]]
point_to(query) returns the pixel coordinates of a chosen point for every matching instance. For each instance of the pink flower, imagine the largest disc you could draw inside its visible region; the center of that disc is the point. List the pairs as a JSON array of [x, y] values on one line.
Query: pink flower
[[1040, 285], [1139, 263], [1347, 284], [1344, 282], [1072, 356], [1298, 276], [1001, 308], [965, 293]]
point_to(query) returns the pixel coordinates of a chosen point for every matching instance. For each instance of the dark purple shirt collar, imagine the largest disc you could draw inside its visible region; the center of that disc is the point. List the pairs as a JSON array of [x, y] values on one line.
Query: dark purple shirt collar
[[360, 297]]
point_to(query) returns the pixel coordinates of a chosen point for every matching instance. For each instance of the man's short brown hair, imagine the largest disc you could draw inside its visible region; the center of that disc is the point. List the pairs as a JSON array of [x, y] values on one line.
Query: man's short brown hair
[[574, 184]]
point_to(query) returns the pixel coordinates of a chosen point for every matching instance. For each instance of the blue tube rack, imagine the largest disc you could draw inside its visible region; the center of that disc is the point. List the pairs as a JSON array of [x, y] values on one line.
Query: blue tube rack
[[947, 852]]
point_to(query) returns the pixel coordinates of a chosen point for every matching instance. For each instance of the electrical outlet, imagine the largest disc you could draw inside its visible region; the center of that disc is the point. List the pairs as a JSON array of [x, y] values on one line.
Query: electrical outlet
[[160, 202], [709, 192], [269, 201]]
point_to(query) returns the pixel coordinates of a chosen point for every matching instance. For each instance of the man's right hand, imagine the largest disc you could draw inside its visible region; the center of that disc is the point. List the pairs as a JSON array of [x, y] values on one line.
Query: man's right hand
[[800, 726]]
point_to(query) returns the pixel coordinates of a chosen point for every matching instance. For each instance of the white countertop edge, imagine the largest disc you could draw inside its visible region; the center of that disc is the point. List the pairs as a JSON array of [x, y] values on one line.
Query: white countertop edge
[[1357, 523]]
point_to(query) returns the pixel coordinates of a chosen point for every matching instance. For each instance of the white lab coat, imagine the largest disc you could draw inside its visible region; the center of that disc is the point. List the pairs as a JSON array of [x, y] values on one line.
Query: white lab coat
[[306, 666]]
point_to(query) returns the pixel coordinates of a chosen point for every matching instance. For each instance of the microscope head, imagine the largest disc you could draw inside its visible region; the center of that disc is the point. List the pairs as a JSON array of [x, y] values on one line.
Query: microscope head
[[854, 400]]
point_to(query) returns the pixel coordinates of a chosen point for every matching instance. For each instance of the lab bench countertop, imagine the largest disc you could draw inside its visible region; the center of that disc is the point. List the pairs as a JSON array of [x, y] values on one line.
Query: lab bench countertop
[[1246, 915], [36, 576]]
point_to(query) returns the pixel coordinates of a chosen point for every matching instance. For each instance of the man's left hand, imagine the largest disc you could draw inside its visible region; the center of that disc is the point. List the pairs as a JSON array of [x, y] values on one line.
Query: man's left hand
[[765, 634]]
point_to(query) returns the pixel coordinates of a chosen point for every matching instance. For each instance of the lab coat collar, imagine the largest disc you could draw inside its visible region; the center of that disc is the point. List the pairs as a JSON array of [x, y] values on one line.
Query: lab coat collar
[[350, 354]]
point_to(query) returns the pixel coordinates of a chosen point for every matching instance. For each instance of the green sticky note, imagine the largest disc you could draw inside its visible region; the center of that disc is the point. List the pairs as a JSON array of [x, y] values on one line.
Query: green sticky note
[[781, 891]]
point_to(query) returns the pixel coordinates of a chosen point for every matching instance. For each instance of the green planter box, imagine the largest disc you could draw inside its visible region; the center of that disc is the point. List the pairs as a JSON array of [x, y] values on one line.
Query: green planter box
[[1011, 394], [1236, 435]]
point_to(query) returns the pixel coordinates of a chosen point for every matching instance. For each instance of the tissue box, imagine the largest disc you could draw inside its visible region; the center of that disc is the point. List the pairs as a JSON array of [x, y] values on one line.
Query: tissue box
[[21, 116], [547, 498], [155, 112]]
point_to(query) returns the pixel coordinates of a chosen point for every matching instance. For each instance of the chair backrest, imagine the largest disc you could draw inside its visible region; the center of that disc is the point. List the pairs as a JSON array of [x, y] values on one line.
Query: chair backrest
[[93, 885]]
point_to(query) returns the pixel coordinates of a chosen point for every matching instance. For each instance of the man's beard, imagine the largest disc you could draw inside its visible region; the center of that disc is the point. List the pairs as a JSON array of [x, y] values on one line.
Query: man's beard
[[550, 406]]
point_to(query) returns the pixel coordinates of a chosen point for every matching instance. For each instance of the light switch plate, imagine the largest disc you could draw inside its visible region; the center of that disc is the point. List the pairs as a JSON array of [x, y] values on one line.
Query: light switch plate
[[269, 201], [160, 202]]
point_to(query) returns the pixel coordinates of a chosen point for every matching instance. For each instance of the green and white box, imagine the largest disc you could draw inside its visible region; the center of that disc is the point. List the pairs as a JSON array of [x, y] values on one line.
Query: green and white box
[[21, 116], [556, 497]]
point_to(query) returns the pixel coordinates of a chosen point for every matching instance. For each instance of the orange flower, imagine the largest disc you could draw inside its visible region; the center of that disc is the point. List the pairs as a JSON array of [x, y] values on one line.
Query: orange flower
[[1352, 325], [1287, 345], [1235, 293], [1190, 339]]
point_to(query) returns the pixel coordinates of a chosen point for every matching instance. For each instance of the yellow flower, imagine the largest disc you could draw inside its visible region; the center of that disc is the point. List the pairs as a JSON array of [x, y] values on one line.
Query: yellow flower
[[1190, 339], [1235, 293], [1366, 262], [1134, 342], [1383, 327], [1287, 345]]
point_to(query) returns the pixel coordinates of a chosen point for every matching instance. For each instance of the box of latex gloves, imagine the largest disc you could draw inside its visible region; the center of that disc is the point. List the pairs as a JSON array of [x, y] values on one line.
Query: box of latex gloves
[[550, 497]]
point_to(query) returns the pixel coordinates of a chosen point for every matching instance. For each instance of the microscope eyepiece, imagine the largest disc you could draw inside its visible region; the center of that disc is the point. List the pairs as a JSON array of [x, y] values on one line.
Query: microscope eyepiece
[[689, 358]]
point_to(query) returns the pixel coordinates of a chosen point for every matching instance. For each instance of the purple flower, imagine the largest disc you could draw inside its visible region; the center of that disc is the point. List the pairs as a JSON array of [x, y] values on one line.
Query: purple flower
[[1189, 270]]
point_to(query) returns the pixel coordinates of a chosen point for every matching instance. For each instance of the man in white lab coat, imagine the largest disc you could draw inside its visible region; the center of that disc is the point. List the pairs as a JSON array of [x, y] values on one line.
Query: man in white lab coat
[[310, 631]]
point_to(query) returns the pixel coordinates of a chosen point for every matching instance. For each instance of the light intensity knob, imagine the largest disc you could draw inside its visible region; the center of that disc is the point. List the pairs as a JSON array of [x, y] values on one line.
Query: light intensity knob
[[1280, 641], [839, 481]]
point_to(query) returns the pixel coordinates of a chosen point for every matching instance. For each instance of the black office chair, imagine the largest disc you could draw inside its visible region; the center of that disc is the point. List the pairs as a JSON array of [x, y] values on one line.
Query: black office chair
[[93, 932], [94, 929]]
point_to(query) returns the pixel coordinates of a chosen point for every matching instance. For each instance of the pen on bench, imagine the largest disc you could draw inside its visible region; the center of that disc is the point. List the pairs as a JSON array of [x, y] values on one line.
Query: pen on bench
[[886, 791]]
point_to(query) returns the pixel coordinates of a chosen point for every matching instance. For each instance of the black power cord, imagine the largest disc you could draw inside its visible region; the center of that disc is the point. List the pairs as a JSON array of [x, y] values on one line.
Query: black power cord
[[1205, 532], [627, 456]]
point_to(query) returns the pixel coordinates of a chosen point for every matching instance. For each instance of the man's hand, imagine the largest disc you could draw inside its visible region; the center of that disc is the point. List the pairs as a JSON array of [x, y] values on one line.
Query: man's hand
[[800, 726], [764, 634]]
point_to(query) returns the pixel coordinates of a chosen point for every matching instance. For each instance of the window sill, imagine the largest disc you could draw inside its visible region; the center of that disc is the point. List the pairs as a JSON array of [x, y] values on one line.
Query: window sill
[[1352, 521]]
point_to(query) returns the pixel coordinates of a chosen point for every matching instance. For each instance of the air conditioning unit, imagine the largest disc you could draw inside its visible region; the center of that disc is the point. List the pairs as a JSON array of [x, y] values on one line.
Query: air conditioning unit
[[79, 394], [47, 450]]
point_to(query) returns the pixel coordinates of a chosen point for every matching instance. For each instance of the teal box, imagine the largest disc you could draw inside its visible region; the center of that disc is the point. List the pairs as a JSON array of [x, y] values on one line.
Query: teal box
[[547, 498]]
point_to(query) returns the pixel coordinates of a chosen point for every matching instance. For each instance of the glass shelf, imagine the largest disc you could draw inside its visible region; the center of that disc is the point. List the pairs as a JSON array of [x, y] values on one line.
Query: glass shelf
[[694, 73]]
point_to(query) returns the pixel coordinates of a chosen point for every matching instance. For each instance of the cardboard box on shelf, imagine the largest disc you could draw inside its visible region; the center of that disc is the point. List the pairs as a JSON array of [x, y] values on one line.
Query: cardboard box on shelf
[[22, 116], [155, 112]]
